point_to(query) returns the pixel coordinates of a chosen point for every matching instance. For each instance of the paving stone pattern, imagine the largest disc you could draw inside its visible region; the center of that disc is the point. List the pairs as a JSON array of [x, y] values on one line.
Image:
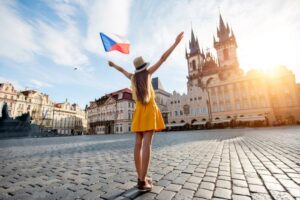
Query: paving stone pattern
[[208, 164]]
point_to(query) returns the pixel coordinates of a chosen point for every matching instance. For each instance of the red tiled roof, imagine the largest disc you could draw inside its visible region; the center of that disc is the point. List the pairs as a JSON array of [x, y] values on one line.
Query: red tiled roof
[[57, 105], [122, 90], [127, 94], [27, 92]]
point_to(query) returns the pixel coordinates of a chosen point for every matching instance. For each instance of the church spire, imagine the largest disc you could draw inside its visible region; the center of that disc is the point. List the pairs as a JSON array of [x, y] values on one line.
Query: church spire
[[225, 45], [232, 34], [223, 30], [194, 44]]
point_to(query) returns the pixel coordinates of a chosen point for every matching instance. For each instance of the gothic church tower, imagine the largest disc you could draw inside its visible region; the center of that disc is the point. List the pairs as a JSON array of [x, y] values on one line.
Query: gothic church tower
[[195, 58], [226, 46]]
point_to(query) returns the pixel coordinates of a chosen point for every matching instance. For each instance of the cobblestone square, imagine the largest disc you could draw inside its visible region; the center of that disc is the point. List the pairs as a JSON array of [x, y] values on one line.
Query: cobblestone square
[[241, 164]]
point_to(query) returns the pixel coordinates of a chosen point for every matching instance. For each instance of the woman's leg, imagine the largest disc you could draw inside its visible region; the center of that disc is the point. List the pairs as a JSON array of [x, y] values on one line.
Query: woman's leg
[[146, 153], [138, 153]]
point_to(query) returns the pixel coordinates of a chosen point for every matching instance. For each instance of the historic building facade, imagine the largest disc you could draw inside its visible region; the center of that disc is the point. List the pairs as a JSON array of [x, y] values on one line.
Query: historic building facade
[[8, 94], [65, 118], [219, 92], [37, 104], [111, 113], [161, 97], [69, 118]]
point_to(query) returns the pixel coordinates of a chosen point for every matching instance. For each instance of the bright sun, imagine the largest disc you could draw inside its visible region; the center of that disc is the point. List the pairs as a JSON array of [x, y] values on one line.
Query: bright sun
[[265, 52]]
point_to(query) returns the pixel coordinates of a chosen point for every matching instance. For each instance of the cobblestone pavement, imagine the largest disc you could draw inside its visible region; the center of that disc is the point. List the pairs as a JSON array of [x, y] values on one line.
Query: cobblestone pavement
[[209, 164]]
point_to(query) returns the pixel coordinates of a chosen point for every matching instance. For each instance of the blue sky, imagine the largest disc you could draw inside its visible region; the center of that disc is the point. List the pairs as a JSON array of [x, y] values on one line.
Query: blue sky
[[42, 41]]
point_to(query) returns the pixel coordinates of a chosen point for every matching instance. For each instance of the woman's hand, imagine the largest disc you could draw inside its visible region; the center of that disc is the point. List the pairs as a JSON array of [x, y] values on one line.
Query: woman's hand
[[111, 64], [179, 38], [164, 57]]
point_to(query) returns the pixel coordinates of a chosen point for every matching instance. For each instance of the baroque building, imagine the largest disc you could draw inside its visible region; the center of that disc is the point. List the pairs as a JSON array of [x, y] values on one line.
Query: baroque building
[[219, 92], [37, 104], [69, 118], [111, 113], [65, 118], [8, 94]]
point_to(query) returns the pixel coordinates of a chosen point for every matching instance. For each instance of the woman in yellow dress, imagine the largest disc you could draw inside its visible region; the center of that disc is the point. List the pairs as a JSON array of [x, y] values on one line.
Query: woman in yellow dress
[[147, 117]]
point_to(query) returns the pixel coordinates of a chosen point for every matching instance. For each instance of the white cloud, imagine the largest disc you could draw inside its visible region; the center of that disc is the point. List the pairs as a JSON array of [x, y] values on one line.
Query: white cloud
[[22, 41], [62, 46], [33, 83], [16, 35]]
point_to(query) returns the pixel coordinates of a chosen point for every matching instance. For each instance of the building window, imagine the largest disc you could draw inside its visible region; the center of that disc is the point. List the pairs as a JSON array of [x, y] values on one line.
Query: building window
[[289, 100], [225, 54], [237, 105], [246, 105], [254, 102], [194, 64], [228, 106], [215, 107], [262, 102], [221, 107], [181, 112]]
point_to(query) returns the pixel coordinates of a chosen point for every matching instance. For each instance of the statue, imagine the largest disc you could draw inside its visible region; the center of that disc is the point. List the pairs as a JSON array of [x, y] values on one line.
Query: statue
[[5, 114]]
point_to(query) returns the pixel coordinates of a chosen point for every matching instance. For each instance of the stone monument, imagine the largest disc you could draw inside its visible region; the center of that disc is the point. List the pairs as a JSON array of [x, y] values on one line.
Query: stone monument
[[19, 127]]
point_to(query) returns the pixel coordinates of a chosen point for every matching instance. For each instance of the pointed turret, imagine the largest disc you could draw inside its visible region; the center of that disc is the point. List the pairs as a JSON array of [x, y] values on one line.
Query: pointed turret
[[193, 44], [193, 39], [223, 30], [232, 34], [228, 29], [225, 45], [186, 53]]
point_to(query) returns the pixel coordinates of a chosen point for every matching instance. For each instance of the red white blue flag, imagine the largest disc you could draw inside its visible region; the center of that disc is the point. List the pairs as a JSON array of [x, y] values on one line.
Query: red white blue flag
[[113, 42]]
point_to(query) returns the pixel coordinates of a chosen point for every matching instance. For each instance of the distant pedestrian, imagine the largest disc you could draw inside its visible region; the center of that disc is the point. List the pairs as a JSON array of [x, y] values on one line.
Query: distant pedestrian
[[147, 117]]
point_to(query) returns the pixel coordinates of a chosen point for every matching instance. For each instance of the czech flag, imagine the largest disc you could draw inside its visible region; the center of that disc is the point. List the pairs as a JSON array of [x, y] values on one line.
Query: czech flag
[[114, 42]]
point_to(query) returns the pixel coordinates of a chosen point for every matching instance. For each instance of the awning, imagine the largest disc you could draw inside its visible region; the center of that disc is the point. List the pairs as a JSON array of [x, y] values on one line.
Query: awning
[[199, 123], [221, 121], [252, 118], [175, 125]]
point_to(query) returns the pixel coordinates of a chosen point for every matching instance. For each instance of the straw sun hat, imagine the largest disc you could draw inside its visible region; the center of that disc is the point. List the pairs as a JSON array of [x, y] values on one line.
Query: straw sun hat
[[140, 64]]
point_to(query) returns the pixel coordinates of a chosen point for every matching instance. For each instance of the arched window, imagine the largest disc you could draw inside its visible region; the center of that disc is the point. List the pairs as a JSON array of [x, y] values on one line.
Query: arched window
[[194, 64], [225, 54]]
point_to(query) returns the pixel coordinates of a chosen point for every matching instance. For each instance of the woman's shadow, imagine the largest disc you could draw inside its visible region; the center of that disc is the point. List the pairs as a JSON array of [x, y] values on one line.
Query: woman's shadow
[[131, 193]]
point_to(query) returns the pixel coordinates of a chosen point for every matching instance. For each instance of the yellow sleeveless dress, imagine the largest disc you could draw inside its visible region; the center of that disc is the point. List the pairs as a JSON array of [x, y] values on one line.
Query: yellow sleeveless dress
[[146, 117]]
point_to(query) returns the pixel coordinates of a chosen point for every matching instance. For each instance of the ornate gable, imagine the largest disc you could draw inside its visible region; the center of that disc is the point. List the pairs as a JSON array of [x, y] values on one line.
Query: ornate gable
[[110, 100]]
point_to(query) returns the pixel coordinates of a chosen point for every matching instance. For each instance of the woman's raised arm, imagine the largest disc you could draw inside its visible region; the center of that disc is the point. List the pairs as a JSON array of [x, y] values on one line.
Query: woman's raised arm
[[120, 69], [163, 58]]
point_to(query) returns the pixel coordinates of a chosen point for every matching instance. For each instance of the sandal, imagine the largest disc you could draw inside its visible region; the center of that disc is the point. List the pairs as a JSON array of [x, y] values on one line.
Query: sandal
[[142, 186], [149, 179]]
